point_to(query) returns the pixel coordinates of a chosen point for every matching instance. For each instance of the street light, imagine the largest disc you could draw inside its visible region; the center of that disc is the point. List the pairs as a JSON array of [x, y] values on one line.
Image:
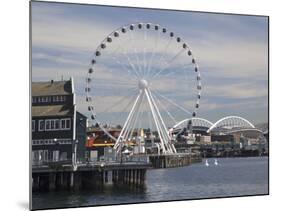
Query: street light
[[56, 157], [74, 157]]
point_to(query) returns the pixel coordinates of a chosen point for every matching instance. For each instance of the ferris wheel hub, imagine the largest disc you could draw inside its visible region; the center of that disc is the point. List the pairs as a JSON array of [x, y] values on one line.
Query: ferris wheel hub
[[143, 84]]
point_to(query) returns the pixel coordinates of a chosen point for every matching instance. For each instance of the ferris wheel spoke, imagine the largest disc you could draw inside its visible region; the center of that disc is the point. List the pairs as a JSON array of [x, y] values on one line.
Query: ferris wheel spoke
[[120, 50], [136, 53], [168, 63], [120, 116], [112, 55], [166, 47], [187, 78], [153, 54], [125, 54], [102, 82], [172, 102], [123, 67], [115, 104], [144, 54], [164, 108], [165, 50], [171, 73]]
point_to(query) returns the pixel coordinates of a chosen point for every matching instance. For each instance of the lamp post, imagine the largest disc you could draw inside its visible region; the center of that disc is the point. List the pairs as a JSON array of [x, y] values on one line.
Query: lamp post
[[74, 156], [55, 158]]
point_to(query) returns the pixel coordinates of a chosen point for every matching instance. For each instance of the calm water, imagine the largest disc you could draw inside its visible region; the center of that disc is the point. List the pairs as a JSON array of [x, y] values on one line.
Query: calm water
[[232, 177]]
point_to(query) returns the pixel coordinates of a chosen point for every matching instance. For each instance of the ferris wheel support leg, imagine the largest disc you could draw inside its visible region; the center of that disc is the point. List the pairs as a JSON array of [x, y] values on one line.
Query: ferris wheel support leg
[[124, 129], [164, 128], [160, 133], [131, 123], [123, 134]]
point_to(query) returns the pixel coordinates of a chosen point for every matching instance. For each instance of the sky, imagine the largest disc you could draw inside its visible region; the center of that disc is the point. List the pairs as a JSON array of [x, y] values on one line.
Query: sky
[[230, 50]]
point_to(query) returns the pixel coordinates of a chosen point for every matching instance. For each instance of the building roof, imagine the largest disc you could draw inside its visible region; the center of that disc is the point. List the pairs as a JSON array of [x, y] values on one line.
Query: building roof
[[52, 110], [48, 88]]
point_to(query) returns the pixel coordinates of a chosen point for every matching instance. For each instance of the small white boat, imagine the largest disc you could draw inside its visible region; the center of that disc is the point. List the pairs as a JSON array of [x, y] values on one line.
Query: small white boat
[[216, 162], [206, 163]]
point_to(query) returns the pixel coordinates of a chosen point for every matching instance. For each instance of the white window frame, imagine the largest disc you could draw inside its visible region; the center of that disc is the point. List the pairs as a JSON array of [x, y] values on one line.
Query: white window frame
[[56, 98], [33, 126], [59, 127], [45, 99], [62, 98], [49, 123], [39, 124], [52, 124], [65, 123]]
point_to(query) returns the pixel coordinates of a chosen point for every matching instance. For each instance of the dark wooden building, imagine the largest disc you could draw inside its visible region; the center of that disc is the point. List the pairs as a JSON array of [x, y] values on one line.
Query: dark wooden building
[[58, 129]]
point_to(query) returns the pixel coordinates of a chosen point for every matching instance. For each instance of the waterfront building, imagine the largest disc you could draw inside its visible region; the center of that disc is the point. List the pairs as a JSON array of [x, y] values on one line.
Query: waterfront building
[[58, 129], [99, 144]]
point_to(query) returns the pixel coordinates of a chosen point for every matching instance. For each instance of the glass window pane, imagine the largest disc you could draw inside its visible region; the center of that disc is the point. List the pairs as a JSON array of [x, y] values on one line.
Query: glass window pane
[[57, 124], [63, 124], [68, 123]]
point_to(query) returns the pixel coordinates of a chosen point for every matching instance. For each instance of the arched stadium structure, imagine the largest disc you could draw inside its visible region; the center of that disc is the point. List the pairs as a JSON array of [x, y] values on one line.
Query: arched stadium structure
[[231, 122]]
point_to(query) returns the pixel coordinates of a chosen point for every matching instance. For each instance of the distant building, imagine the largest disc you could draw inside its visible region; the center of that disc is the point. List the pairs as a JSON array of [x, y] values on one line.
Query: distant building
[[205, 139], [58, 129], [222, 138]]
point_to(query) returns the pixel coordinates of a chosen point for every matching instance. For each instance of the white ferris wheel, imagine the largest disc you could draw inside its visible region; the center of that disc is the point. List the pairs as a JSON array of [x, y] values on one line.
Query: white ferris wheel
[[143, 76]]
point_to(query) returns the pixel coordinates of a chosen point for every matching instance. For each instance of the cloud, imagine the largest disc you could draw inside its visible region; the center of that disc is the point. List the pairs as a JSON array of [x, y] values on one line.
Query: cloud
[[51, 29], [44, 57], [237, 91], [231, 52], [242, 58]]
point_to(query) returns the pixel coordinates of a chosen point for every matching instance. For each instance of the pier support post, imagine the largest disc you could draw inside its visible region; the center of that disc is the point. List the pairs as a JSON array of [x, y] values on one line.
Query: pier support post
[[138, 177], [105, 176], [126, 176], [35, 182], [52, 181], [141, 177], [134, 177], [130, 176], [113, 176], [77, 181], [71, 179]]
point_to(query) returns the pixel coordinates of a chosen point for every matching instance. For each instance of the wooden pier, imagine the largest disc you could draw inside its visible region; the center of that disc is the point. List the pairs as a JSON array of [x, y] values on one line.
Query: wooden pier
[[95, 175], [88, 176]]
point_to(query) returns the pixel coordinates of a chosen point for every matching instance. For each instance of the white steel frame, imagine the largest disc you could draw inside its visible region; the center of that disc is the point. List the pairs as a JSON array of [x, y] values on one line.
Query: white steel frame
[[164, 136]]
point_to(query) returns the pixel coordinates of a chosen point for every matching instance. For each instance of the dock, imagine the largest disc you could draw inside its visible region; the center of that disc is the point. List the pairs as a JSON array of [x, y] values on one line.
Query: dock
[[130, 171], [59, 176], [174, 160]]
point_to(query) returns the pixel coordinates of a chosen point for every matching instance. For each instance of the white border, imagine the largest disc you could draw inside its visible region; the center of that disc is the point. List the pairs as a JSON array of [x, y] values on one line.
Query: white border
[[14, 88]]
